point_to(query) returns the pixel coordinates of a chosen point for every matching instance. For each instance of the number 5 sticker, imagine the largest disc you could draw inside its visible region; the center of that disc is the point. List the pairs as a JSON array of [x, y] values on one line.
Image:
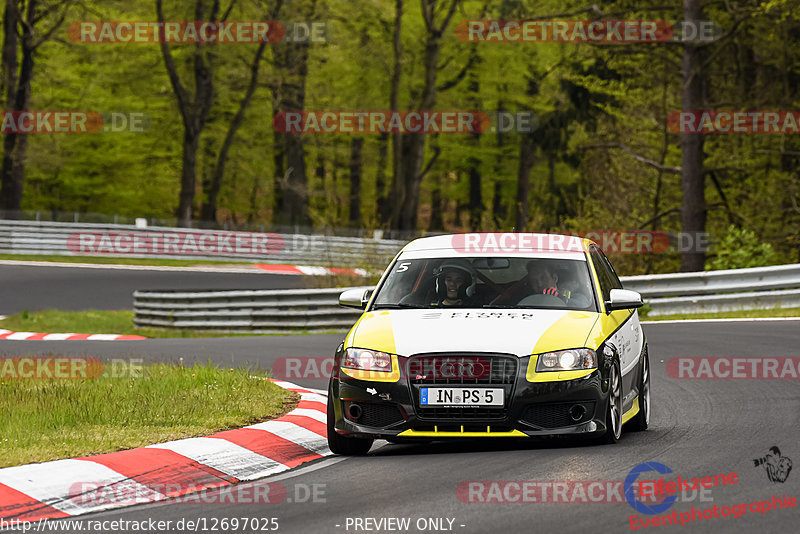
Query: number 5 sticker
[[403, 267]]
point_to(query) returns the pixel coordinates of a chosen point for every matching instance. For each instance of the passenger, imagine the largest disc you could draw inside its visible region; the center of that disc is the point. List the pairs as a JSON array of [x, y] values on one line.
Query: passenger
[[542, 278]]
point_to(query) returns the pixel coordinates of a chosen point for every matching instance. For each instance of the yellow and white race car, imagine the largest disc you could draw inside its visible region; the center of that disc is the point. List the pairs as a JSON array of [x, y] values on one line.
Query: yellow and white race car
[[490, 335]]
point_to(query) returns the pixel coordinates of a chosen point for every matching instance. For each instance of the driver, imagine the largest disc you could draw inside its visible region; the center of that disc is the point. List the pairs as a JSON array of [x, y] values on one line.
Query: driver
[[455, 284]]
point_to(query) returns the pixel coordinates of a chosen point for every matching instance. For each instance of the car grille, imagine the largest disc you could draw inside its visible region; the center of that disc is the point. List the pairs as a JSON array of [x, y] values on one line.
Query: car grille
[[462, 369], [380, 415], [556, 415]]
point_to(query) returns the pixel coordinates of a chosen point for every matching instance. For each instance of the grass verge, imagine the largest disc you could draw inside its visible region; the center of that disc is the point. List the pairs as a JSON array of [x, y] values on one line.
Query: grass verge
[[101, 322], [744, 314], [51, 419]]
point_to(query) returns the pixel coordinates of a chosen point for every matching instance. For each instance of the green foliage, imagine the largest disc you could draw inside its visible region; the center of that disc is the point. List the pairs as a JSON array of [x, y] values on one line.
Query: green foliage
[[741, 249], [604, 157]]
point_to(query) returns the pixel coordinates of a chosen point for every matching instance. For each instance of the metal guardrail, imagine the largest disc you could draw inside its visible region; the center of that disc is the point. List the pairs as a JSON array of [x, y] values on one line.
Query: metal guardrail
[[86, 239], [257, 311], [253, 311], [754, 300], [711, 282], [317, 309], [719, 291]]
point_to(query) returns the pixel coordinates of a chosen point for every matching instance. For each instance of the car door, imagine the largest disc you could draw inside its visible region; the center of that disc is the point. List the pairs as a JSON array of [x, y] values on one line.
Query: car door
[[622, 324]]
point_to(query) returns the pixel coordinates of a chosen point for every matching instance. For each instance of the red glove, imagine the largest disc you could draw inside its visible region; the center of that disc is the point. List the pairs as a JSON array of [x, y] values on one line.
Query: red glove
[[551, 291]]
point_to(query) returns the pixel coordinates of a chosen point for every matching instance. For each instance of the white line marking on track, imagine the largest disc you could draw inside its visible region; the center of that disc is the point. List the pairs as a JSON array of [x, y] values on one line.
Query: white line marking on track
[[60, 484], [296, 434], [314, 397], [102, 337], [224, 456], [20, 335], [730, 320], [321, 464], [57, 337], [313, 414]]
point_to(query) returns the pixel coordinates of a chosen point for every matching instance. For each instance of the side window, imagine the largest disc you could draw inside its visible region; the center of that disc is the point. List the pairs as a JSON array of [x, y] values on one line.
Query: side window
[[604, 274], [615, 282], [401, 281]]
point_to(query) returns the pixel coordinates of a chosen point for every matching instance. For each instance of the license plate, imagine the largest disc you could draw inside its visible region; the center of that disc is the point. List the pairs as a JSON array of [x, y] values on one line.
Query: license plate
[[461, 396]]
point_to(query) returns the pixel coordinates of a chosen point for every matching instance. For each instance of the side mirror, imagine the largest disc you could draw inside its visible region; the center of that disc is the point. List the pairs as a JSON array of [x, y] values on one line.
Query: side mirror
[[623, 299], [355, 298]]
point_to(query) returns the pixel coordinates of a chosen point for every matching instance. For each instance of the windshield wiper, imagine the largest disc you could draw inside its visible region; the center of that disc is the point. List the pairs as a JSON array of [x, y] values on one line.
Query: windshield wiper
[[510, 307], [398, 306]]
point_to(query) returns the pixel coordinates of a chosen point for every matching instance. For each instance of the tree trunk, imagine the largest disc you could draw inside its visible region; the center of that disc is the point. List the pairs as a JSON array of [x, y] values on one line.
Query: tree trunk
[[498, 206], [209, 210], [279, 170], [289, 94], [473, 162], [291, 199], [475, 194], [381, 208], [188, 177], [526, 153], [413, 149], [296, 193], [414, 144], [355, 181], [194, 109], [437, 208], [693, 206], [398, 190], [18, 96]]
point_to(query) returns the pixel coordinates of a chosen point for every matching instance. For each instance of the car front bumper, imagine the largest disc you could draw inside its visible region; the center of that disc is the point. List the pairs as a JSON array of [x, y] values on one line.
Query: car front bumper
[[531, 409]]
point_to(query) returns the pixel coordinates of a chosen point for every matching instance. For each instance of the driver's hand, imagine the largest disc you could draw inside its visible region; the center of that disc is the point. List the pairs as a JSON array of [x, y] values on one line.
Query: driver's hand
[[551, 291]]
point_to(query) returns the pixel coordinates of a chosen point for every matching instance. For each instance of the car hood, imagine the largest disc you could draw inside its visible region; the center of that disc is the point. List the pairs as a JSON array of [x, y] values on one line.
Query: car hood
[[521, 332]]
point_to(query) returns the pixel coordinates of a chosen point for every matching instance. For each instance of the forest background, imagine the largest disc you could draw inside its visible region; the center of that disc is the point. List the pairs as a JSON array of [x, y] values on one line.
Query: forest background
[[601, 157]]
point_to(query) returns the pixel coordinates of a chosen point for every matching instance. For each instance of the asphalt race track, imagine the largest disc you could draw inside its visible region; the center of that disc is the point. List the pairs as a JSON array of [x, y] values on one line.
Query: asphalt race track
[[36, 287], [698, 428]]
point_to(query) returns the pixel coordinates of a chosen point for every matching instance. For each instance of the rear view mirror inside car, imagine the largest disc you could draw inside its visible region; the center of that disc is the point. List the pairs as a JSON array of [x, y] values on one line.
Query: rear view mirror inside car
[[491, 263]]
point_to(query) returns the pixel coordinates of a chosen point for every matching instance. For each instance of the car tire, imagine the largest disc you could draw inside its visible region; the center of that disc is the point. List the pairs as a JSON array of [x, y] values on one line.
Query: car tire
[[614, 409], [642, 419], [342, 444]]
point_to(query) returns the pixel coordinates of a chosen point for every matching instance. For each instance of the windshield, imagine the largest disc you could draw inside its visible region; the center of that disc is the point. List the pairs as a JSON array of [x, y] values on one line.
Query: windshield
[[487, 282]]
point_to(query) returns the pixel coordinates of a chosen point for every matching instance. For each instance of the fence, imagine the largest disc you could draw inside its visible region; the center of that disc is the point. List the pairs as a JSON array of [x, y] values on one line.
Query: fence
[[256, 311], [87, 239], [318, 309], [719, 291]]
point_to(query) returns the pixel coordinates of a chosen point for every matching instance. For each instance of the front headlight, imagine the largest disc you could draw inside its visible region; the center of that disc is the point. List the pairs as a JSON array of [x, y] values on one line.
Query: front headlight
[[567, 360], [367, 360]]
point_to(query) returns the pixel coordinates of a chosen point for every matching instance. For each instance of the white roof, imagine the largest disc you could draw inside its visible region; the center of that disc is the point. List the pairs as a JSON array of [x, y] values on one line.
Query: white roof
[[498, 244]]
